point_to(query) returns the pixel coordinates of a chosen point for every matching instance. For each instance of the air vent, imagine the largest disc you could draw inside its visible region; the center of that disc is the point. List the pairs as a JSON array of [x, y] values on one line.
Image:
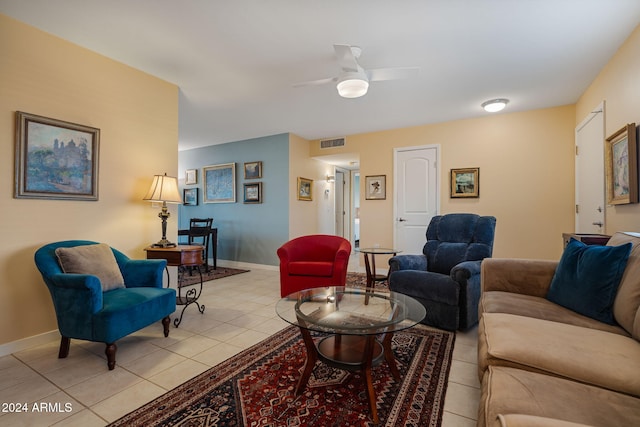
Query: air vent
[[332, 143]]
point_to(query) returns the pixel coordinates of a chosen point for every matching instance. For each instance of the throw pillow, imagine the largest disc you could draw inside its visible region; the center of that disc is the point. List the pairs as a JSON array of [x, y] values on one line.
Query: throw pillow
[[97, 260], [587, 279]]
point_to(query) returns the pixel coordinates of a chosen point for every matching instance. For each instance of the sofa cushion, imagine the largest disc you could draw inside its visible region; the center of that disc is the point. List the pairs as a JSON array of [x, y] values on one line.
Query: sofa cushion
[[540, 308], [97, 260], [594, 357], [513, 391], [627, 301], [311, 268], [587, 279]]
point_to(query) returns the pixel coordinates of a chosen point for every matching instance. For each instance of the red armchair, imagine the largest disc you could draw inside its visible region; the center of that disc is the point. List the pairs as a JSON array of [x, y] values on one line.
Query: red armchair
[[313, 261]]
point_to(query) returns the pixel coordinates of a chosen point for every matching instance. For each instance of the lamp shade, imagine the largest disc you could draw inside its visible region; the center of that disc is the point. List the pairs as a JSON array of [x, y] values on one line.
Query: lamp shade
[[164, 189]]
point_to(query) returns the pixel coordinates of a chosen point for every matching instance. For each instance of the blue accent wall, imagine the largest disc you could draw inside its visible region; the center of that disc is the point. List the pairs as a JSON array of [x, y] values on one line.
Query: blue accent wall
[[246, 232]]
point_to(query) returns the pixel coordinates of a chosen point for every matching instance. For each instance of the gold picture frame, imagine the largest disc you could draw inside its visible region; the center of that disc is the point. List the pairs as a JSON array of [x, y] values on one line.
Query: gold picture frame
[[305, 189], [55, 159], [375, 187], [465, 183], [621, 166]]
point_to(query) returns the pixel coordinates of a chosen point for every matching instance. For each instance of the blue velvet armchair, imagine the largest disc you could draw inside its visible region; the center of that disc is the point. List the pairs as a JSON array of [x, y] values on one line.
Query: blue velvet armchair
[[446, 277], [84, 310]]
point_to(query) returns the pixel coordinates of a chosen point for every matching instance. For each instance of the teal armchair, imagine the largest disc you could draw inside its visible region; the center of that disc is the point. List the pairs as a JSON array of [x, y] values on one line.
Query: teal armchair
[[89, 308]]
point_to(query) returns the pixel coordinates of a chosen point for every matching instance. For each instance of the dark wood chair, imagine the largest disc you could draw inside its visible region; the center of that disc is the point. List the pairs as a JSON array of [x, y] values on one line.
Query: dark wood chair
[[200, 234]]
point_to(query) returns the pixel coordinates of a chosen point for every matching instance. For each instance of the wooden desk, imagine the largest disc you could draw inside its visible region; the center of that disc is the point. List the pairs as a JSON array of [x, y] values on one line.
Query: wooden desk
[[181, 256], [214, 246]]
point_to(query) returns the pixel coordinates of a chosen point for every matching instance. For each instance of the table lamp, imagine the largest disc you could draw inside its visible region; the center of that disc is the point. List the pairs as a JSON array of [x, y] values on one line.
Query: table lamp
[[164, 189]]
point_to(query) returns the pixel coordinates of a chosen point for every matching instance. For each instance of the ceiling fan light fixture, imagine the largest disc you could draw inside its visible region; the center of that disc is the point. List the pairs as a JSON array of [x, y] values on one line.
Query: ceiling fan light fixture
[[495, 105], [353, 85]]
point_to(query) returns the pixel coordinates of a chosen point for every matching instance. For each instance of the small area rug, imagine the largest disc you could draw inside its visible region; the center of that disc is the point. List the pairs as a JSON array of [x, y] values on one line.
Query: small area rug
[[256, 388], [186, 278]]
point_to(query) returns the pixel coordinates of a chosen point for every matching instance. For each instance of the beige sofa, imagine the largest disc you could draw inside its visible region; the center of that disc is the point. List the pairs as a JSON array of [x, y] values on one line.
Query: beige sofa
[[541, 364]]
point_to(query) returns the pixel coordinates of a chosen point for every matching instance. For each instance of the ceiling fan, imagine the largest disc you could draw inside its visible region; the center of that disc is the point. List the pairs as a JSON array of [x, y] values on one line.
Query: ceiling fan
[[353, 81]]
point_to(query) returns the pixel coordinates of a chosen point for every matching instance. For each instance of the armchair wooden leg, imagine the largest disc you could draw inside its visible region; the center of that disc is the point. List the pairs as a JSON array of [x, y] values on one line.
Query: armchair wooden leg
[[65, 342], [110, 351], [166, 322]]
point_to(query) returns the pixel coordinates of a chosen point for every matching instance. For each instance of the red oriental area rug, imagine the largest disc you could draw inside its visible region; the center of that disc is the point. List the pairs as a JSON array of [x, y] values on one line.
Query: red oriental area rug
[[256, 388]]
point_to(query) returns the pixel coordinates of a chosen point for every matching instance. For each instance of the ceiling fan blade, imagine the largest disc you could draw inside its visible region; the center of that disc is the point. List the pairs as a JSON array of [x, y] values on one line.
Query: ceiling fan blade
[[316, 82], [396, 73], [345, 57]]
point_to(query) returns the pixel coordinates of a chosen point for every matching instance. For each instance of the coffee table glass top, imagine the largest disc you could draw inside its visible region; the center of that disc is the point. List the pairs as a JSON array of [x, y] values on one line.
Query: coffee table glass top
[[348, 311], [378, 251]]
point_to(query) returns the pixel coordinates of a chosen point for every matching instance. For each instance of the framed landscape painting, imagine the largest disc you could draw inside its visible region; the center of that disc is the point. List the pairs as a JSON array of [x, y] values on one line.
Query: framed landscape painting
[[465, 183], [219, 183], [253, 192], [55, 159], [190, 196], [621, 166]]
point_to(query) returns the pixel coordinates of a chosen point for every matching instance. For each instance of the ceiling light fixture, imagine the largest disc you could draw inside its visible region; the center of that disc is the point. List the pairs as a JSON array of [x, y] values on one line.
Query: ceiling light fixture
[[353, 84], [495, 105]]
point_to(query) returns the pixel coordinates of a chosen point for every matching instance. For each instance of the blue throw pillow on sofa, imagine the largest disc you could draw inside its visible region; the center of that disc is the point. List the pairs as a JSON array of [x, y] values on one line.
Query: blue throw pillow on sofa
[[587, 279]]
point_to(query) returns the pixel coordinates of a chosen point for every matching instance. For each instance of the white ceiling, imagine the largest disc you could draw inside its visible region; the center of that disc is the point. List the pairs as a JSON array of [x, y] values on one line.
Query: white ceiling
[[236, 61]]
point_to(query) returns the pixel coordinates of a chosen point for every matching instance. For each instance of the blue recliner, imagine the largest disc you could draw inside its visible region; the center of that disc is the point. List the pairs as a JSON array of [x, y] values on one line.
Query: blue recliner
[[85, 311], [446, 277]]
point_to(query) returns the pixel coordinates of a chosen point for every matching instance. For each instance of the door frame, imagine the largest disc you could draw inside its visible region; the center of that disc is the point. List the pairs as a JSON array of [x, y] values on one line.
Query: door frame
[[599, 109], [395, 181]]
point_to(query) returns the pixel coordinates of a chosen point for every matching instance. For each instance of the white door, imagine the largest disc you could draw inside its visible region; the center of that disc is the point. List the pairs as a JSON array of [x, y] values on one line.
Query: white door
[[416, 196], [590, 187]]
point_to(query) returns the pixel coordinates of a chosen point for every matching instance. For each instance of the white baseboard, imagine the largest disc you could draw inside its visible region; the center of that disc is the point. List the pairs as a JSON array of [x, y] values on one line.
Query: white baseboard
[[25, 343], [246, 265]]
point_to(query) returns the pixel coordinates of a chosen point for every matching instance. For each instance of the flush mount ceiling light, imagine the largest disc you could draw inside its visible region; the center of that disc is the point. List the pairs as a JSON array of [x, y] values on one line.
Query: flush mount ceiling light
[[495, 105]]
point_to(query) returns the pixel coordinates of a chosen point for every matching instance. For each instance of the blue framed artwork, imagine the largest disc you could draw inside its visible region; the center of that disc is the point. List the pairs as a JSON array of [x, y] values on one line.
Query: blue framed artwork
[[219, 183], [55, 159], [190, 196]]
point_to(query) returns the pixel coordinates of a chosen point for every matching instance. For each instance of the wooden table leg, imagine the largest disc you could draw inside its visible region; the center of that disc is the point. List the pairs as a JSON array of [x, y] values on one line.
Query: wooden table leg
[[367, 366], [310, 363], [370, 278], [388, 355]]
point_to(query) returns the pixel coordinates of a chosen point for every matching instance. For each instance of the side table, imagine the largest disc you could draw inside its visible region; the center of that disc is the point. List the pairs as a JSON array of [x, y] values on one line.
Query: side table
[[372, 276], [181, 256]]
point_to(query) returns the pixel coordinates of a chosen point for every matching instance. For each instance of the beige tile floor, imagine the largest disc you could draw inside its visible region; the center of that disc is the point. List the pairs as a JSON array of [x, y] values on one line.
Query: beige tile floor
[[80, 391]]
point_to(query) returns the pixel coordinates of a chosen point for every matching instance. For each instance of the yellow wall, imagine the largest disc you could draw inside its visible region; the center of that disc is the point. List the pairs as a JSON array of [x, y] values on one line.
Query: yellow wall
[[137, 115], [303, 215], [526, 163], [618, 84]]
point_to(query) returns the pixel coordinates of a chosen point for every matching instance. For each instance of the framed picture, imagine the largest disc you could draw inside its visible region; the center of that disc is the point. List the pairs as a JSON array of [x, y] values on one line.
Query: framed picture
[[55, 159], [219, 183], [305, 189], [375, 187], [465, 183], [253, 192], [191, 176], [190, 196], [621, 166], [252, 170]]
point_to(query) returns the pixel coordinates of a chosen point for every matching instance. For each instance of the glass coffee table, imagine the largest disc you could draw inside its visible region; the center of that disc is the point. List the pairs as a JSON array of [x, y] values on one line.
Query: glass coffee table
[[352, 320]]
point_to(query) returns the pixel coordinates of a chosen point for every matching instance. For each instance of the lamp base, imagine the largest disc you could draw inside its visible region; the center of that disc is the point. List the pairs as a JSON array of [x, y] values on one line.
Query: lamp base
[[164, 243]]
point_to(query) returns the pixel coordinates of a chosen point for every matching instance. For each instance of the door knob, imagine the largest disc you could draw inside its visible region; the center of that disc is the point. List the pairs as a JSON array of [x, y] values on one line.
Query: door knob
[[401, 219], [599, 224]]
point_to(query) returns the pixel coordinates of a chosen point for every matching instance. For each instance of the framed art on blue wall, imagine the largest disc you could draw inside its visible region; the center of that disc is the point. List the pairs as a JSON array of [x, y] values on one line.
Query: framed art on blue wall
[[253, 192], [219, 183], [190, 196], [55, 159]]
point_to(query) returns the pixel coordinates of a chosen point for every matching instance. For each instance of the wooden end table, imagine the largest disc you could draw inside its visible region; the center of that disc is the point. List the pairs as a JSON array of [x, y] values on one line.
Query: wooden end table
[[181, 256]]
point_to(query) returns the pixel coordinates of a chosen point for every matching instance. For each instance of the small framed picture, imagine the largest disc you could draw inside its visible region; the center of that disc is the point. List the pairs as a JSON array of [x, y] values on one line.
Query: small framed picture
[[305, 189], [190, 196], [253, 192], [252, 170], [465, 183], [621, 166], [191, 176], [375, 187]]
